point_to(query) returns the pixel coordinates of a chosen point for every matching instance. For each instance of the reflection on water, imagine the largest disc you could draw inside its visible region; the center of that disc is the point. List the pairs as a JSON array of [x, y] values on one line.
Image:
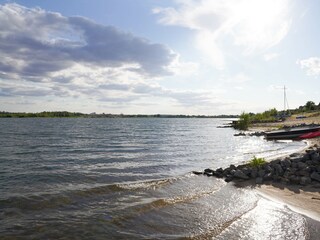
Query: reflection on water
[[130, 179]]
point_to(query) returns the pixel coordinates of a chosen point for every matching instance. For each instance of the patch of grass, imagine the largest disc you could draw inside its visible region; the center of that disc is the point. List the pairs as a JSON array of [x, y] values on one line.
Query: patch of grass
[[256, 162]]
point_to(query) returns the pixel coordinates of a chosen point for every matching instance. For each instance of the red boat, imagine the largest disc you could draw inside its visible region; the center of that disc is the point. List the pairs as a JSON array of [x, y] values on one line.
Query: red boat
[[310, 135], [303, 132]]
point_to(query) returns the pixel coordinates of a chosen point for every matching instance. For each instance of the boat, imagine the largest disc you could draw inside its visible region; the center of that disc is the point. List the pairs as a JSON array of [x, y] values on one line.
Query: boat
[[294, 133], [310, 135]]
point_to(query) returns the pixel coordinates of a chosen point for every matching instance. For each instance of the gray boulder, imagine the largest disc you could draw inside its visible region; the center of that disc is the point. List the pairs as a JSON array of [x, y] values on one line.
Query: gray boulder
[[315, 176], [315, 156], [305, 181], [259, 180], [302, 165], [261, 173], [278, 169], [286, 163], [240, 174]]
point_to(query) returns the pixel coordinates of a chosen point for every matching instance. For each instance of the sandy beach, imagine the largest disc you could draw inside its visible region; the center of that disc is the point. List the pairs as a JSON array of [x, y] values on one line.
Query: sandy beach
[[302, 199]]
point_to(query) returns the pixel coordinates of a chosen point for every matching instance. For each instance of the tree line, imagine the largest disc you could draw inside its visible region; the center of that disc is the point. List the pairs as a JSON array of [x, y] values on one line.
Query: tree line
[[65, 114], [273, 115]]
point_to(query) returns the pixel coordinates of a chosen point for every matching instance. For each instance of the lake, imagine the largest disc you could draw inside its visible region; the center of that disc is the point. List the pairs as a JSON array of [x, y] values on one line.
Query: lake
[[130, 178]]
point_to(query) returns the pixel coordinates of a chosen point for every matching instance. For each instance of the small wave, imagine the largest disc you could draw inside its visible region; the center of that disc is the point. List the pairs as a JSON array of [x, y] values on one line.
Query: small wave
[[157, 204], [54, 200], [218, 229], [35, 202]]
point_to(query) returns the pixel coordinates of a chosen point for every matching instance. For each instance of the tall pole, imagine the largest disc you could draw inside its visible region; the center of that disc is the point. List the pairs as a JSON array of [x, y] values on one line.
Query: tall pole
[[284, 99]]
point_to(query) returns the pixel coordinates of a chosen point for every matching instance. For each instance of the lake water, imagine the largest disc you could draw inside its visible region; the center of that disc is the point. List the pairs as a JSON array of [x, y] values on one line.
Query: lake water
[[131, 179]]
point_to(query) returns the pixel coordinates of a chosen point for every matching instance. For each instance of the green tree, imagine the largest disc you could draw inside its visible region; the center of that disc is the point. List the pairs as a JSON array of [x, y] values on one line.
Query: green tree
[[310, 106]]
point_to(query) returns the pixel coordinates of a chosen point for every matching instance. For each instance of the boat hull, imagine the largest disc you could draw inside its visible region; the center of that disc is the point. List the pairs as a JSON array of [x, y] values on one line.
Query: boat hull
[[292, 133]]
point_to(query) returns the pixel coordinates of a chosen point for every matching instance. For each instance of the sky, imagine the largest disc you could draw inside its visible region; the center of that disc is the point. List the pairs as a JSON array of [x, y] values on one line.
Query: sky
[[205, 57]]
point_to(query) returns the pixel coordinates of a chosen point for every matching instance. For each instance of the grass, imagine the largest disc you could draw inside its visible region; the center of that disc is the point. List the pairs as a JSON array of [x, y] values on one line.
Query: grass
[[256, 162]]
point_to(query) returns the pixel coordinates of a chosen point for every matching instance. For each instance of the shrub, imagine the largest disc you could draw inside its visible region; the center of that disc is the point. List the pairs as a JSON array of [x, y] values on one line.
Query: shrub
[[256, 162], [243, 122]]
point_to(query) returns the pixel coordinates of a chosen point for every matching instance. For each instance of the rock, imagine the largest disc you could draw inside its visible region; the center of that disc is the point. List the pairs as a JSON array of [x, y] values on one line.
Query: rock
[[226, 172], [284, 180], [268, 169], [197, 173], [259, 180], [294, 179], [240, 174], [315, 176], [303, 173], [219, 170], [309, 162], [305, 157], [277, 161], [218, 175], [286, 163], [268, 177], [209, 172], [294, 164], [305, 181], [278, 169], [254, 172], [228, 178], [246, 171], [315, 156], [296, 160], [276, 177], [287, 173], [232, 167], [302, 165], [294, 155], [261, 173]]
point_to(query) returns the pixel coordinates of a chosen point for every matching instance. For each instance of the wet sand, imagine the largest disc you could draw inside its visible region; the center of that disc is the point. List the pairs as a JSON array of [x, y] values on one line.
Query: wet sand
[[305, 201]]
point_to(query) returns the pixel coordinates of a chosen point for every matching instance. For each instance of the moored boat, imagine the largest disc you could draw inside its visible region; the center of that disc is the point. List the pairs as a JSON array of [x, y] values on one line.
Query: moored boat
[[310, 135], [294, 133]]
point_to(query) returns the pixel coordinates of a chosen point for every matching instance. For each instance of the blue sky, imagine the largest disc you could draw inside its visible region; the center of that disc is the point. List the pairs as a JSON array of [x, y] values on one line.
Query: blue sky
[[150, 56]]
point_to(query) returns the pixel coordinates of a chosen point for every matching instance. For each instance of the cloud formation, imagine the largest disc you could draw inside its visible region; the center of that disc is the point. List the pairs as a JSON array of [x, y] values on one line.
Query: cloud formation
[[46, 56], [35, 43], [311, 65], [252, 25]]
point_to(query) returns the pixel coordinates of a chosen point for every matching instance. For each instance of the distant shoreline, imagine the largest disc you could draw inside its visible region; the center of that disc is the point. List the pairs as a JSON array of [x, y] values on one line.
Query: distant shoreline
[[64, 114]]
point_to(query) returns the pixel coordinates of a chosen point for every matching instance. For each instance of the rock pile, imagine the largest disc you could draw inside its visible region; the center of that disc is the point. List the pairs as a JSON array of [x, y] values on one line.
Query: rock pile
[[303, 169]]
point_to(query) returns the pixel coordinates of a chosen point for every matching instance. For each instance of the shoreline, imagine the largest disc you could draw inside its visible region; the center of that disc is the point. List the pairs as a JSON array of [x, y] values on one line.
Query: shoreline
[[303, 200], [292, 180]]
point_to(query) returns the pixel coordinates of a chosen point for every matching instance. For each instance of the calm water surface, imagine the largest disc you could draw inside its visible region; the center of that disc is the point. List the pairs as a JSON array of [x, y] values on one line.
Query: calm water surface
[[130, 179]]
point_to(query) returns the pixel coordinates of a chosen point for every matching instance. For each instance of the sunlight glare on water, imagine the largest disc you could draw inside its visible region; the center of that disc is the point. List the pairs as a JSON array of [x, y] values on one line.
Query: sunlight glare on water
[[268, 220]]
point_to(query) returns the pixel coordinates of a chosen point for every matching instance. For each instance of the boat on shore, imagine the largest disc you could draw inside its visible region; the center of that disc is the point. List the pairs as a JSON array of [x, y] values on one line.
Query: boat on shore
[[292, 133]]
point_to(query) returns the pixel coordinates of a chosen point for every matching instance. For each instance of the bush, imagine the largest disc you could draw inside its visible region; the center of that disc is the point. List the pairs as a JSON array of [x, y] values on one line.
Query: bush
[[256, 162], [244, 121]]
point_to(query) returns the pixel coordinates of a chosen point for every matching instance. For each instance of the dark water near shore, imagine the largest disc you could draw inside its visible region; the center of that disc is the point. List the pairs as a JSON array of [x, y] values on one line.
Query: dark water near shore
[[130, 179]]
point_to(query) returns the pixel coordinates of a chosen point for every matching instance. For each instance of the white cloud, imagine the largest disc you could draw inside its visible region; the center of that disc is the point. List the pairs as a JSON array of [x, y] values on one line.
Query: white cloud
[[47, 57], [35, 43], [269, 56], [311, 65], [253, 25], [182, 68]]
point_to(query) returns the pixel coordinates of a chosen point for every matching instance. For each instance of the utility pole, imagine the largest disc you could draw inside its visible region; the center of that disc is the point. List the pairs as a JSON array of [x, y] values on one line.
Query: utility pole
[[284, 98]]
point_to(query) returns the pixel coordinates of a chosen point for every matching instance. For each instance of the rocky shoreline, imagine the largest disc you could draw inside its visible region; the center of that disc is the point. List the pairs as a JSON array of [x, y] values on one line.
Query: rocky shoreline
[[297, 169]]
